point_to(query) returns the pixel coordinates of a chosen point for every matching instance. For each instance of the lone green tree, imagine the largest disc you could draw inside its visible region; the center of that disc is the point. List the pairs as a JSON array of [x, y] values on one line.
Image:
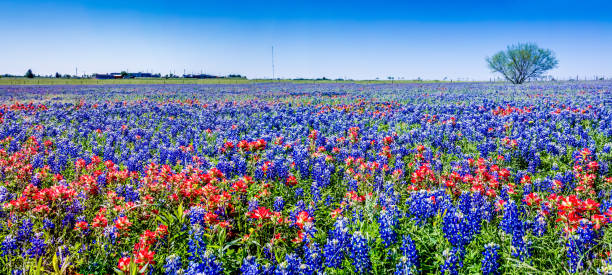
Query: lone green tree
[[29, 74], [520, 62]]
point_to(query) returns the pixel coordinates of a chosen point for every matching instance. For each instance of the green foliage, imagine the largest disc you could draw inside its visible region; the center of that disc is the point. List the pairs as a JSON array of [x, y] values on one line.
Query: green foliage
[[29, 74], [521, 62]]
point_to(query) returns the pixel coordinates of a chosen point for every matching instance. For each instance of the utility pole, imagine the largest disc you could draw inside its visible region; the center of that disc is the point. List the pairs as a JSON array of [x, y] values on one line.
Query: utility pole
[[76, 71]]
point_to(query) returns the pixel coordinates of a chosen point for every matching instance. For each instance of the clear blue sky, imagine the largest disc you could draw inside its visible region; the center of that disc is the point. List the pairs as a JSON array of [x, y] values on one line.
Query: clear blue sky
[[356, 39]]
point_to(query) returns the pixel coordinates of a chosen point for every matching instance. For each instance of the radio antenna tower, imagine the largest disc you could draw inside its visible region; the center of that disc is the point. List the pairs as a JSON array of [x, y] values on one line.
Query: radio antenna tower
[[272, 62]]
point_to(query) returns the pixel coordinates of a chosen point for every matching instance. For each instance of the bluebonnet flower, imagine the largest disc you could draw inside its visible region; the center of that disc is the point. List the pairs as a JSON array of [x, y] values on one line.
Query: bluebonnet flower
[[360, 253], [128, 192], [269, 253], [423, 205], [309, 232], [37, 162], [197, 246], [9, 245], [503, 194], [386, 226], [409, 261], [390, 198], [606, 200], [102, 180], [299, 192], [573, 254], [539, 225], [329, 200], [462, 223], [173, 265], [206, 264], [490, 262], [38, 246], [578, 246], [258, 174], [249, 266], [357, 215], [291, 265], [196, 215], [25, 230], [510, 217], [4, 194], [279, 204], [451, 262], [420, 206], [337, 243], [111, 233], [48, 224], [268, 269], [520, 244], [334, 252], [312, 259], [77, 206], [225, 167], [352, 185], [606, 148], [315, 191], [299, 206], [513, 225]]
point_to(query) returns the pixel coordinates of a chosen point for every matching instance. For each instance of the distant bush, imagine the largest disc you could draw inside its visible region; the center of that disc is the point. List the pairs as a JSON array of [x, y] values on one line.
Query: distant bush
[[29, 74]]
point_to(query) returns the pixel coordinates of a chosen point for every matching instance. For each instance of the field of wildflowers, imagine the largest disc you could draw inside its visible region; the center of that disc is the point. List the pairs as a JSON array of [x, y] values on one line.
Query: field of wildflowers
[[306, 179]]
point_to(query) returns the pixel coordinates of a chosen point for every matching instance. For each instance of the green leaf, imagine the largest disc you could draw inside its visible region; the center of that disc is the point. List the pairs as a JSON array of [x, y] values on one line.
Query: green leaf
[[55, 263]]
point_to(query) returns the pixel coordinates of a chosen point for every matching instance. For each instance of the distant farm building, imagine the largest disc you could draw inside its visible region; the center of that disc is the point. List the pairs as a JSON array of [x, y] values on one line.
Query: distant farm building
[[103, 76], [125, 75], [199, 76], [135, 75]]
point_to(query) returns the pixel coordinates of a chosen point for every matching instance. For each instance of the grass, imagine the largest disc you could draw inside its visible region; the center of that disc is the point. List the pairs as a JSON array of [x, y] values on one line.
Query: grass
[[136, 81]]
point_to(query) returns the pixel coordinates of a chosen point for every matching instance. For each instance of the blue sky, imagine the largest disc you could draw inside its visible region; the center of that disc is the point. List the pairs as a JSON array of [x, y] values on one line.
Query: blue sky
[[356, 39]]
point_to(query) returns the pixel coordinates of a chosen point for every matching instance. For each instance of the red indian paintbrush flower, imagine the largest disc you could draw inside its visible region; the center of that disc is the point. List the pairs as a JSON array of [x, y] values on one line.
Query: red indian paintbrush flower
[[261, 213], [124, 264], [303, 218], [122, 223]]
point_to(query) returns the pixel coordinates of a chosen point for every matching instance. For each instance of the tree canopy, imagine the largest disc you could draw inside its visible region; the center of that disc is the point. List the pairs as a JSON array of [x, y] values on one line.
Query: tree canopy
[[29, 74], [520, 62]]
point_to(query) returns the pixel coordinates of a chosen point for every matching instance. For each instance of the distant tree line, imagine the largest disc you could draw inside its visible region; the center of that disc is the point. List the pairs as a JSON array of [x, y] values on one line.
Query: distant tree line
[[30, 74], [517, 64]]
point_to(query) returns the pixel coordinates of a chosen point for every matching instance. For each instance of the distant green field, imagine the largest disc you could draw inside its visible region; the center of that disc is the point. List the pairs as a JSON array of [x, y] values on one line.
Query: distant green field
[[89, 81]]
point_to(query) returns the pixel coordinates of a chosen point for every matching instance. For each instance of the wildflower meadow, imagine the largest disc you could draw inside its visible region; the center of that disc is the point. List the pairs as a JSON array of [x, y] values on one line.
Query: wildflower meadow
[[285, 178]]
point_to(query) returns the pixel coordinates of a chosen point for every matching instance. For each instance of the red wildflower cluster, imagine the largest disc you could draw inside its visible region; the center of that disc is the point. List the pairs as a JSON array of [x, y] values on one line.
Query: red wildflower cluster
[[504, 111], [252, 146]]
